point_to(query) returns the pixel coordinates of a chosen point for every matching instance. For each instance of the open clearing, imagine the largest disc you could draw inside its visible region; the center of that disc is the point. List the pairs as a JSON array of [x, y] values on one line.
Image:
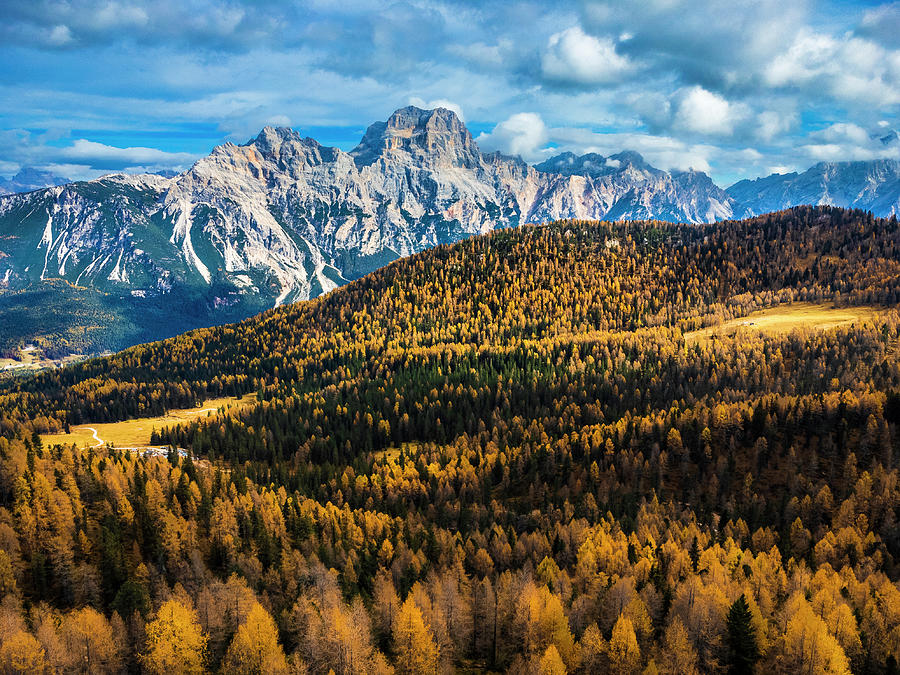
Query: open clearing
[[786, 318], [136, 433], [31, 359]]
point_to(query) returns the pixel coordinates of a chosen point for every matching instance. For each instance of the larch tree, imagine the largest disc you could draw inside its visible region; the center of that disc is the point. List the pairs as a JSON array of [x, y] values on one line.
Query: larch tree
[[551, 662], [22, 653], [255, 649], [175, 641], [89, 641], [680, 655], [591, 649], [808, 646], [623, 651], [414, 648]]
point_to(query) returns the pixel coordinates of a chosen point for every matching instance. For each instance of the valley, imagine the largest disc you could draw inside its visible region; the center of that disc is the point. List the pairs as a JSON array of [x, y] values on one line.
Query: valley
[[522, 448], [30, 358]]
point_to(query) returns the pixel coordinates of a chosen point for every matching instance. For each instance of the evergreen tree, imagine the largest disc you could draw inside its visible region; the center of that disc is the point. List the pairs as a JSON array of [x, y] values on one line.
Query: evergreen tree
[[742, 645]]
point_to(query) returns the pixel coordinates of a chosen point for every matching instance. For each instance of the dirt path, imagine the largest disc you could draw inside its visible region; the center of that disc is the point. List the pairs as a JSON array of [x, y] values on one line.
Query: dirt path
[[99, 440]]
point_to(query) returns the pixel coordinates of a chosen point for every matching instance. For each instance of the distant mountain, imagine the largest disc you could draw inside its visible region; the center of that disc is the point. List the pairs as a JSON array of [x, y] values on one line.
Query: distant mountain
[[873, 186], [29, 179], [282, 218]]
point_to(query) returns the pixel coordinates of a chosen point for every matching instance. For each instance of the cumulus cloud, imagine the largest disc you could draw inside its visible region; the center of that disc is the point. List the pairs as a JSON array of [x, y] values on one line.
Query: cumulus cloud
[[844, 141], [60, 36], [704, 112], [82, 159], [685, 82], [717, 44], [771, 123], [847, 67], [574, 57], [523, 134]]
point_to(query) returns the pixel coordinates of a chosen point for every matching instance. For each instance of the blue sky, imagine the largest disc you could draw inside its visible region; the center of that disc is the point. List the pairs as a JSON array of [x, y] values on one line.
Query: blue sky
[[737, 88]]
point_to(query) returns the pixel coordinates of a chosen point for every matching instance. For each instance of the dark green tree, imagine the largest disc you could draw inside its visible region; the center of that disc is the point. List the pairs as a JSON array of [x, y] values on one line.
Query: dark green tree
[[743, 649]]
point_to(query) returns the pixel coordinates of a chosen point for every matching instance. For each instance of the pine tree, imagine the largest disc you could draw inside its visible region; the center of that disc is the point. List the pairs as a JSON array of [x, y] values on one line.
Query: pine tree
[[742, 644]]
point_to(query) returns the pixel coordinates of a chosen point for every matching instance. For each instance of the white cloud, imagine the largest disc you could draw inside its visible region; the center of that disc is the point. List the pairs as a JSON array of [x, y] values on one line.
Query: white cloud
[[662, 152], [523, 134], [882, 22], [848, 68], [844, 141], [112, 16], [683, 73], [704, 112], [844, 132], [771, 123], [574, 57], [99, 155], [60, 36], [438, 103]]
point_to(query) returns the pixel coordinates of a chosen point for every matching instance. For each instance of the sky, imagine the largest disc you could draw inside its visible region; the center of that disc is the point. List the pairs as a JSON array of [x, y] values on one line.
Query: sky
[[736, 88]]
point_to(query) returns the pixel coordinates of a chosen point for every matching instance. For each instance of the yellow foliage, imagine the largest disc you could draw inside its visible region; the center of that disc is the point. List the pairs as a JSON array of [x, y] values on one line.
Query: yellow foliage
[[22, 653], [255, 649], [175, 641]]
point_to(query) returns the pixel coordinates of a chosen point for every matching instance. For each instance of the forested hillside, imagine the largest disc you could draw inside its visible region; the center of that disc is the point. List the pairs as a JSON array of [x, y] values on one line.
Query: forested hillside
[[513, 454]]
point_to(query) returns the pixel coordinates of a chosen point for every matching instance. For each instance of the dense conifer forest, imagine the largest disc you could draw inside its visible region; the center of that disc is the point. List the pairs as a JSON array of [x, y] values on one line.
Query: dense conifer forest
[[513, 454]]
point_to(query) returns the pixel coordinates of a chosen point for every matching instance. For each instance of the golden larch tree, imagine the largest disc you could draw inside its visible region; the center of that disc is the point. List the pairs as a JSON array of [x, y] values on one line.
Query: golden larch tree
[[175, 641]]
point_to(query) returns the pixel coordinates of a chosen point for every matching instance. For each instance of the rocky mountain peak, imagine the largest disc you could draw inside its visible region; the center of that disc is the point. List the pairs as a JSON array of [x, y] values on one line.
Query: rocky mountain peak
[[28, 179], [276, 149], [270, 140], [283, 218], [429, 137]]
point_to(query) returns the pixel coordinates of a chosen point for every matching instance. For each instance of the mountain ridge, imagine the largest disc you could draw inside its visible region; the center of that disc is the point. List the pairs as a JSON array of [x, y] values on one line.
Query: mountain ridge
[[283, 218]]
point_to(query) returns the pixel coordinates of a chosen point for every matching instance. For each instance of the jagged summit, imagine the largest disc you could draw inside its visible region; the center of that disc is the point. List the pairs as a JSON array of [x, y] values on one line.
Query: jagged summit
[[271, 136], [433, 137]]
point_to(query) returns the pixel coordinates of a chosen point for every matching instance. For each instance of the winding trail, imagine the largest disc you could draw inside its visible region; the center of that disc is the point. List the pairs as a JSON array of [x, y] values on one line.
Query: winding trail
[[99, 440]]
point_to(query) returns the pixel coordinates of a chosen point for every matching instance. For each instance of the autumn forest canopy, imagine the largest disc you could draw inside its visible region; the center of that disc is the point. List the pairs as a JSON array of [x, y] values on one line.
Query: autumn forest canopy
[[513, 454]]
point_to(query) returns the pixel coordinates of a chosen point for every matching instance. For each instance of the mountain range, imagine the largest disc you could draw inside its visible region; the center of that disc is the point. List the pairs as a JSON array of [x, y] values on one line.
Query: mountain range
[[126, 258]]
